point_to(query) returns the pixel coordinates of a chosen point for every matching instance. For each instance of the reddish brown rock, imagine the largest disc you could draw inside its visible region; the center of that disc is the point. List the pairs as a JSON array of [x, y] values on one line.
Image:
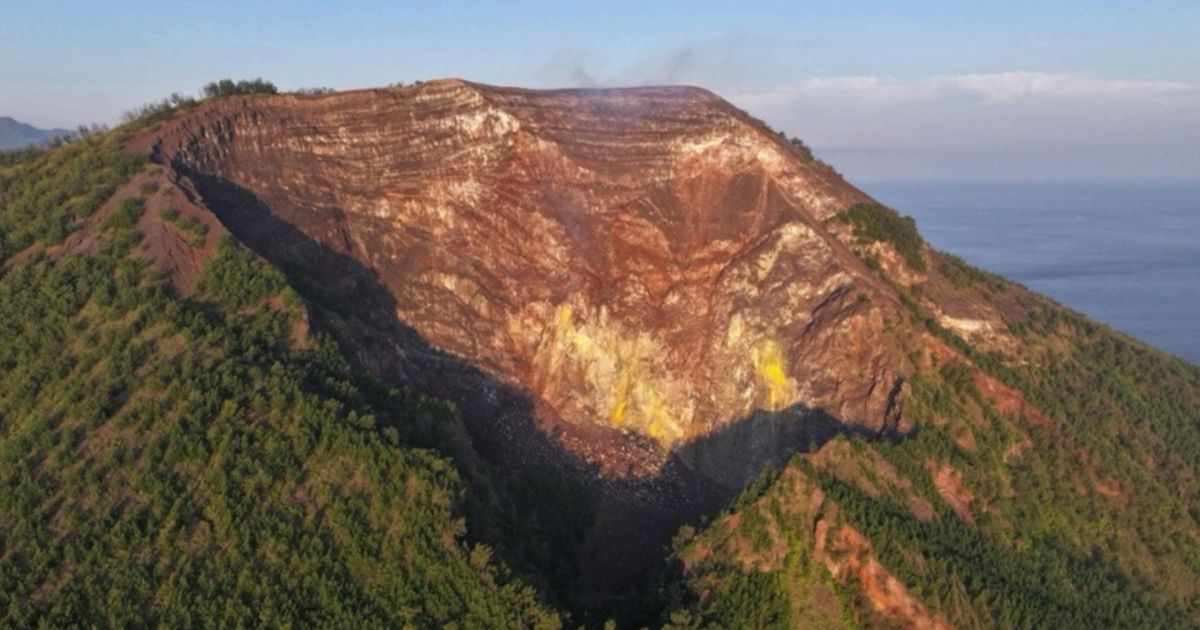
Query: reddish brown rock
[[638, 282], [649, 261]]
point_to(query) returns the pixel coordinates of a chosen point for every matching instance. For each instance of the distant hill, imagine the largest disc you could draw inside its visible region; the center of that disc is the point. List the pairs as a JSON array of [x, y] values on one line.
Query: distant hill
[[15, 134]]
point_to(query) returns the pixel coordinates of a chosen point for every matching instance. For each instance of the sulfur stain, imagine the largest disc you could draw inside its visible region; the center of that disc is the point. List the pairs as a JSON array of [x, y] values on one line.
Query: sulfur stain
[[769, 362], [658, 419], [611, 373], [621, 395]]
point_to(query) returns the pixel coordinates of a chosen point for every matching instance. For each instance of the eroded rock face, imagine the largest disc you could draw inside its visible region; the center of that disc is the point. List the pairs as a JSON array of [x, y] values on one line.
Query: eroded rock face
[[645, 261]]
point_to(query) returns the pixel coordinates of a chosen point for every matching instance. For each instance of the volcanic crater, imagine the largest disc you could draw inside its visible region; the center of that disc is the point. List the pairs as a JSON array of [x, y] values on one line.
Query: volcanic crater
[[645, 288]]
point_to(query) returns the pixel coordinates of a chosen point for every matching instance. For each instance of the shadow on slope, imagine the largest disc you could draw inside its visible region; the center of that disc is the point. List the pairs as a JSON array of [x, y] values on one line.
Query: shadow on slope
[[591, 542]]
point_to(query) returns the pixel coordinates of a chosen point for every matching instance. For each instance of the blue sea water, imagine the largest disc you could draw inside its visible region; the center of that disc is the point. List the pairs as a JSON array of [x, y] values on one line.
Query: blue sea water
[[1124, 254]]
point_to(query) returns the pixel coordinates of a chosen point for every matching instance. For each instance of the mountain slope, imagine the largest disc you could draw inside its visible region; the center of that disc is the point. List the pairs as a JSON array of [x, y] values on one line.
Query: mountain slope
[[1050, 481], [636, 301], [202, 460], [15, 134]]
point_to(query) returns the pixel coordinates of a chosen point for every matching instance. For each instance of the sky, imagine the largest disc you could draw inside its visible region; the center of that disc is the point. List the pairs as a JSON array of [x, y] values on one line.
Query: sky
[[885, 91]]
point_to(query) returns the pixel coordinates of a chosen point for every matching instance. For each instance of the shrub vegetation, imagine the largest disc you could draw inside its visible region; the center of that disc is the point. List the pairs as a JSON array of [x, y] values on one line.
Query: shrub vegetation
[[879, 223]]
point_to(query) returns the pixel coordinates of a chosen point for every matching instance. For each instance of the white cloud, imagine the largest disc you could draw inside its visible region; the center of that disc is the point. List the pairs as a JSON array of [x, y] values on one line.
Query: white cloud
[[1004, 120], [994, 88]]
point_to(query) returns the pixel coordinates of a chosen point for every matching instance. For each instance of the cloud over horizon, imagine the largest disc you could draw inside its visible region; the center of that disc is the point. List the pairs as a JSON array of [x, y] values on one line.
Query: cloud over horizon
[[1035, 98], [1040, 124]]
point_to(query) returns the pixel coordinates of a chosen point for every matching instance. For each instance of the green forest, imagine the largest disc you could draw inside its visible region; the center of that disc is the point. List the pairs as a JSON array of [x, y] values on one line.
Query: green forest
[[180, 462]]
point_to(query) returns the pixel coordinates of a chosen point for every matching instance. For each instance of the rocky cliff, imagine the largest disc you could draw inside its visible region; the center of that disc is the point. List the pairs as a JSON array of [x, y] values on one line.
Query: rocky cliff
[[645, 285], [648, 263]]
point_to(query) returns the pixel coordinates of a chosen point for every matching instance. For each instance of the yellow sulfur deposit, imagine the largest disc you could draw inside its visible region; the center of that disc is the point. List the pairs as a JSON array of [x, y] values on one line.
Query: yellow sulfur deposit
[[769, 362], [621, 399], [614, 373]]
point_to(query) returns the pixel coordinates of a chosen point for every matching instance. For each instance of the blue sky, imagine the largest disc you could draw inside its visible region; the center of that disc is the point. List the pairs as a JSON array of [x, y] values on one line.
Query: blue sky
[[958, 90]]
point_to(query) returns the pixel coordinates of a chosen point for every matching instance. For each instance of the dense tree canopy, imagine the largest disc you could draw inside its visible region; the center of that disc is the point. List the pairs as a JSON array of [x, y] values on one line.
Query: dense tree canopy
[[181, 461]]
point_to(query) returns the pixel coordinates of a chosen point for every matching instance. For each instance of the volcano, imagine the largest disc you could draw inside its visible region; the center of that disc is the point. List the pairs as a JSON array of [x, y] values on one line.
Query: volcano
[[645, 288], [457, 354]]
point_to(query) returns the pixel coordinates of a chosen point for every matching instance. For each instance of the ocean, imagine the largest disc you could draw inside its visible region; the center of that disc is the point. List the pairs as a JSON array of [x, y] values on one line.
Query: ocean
[[1127, 255]]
